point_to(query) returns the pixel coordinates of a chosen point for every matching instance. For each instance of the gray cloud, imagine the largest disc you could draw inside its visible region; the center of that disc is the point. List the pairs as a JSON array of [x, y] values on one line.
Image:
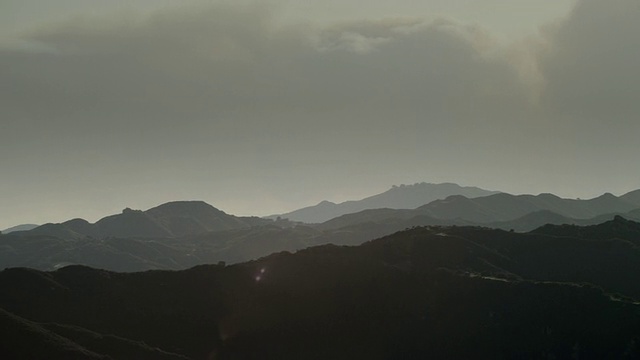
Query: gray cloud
[[591, 66], [230, 89], [225, 70], [592, 80]]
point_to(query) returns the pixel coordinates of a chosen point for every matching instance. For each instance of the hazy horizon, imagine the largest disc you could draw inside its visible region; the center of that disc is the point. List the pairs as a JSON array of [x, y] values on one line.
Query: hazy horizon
[[147, 207], [264, 107]]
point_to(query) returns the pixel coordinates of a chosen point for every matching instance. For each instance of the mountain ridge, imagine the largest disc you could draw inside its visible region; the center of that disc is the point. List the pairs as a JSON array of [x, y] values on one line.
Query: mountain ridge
[[179, 235], [498, 209], [21, 227], [398, 197], [172, 219]]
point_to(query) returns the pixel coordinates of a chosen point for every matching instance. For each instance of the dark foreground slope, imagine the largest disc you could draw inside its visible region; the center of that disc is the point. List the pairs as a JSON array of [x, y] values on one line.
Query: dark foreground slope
[[24, 339], [438, 292]]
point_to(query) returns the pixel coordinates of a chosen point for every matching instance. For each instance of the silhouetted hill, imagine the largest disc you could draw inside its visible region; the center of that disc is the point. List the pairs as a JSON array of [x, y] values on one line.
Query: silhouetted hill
[[71, 229], [618, 228], [23, 227], [504, 207], [398, 197], [131, 223], [367, 216], [537, 219], [193, 217], [428, 292], [532, 221], [174, 219]]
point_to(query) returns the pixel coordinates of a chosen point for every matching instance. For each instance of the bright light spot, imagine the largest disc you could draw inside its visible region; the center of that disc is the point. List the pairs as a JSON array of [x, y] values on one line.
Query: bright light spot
[[262, 271], [258, 278]]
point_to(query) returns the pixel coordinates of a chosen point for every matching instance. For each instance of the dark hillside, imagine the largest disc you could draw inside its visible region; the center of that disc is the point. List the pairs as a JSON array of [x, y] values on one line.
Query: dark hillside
[[429, 292], [24, 339], [169, 220], [618, 228]]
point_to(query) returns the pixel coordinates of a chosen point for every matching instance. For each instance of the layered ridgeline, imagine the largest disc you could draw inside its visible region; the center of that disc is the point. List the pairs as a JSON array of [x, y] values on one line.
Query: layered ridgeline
[[505, 211], [398, 197], [172, 219], [180, 235], [560, 292], [164, 237]]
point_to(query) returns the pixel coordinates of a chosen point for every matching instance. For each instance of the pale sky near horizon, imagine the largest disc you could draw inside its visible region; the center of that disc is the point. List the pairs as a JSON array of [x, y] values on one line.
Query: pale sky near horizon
[[267, 106]]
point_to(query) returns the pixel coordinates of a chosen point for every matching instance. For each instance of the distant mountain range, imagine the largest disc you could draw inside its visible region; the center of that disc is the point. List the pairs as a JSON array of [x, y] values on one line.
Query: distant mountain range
[[560, 292], [506, 211], [179, 235], [440, 280], [398, 197]]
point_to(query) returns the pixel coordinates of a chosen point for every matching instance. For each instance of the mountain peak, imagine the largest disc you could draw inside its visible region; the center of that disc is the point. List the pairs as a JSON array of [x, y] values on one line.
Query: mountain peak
[[620, 219], [548, 196], [76, 221], [182, 208], [186, 203], [130, 211], [397, 197]]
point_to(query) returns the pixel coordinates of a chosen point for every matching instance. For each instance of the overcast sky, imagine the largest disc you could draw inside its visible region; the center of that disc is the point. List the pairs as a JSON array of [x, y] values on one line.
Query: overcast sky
[[264, 107]]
